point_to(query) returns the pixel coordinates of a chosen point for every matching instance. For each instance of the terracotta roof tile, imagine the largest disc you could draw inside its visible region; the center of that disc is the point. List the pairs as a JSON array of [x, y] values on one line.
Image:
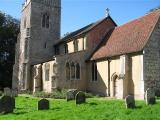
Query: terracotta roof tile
[[128, 38]]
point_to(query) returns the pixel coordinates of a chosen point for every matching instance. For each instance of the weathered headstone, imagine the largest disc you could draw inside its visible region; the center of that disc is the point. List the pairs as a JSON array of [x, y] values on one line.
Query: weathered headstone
[[129, 101], [43, 104], [7, 104], [7, 92], [150, 96], [70, 95], [14, 93], [80, 97]]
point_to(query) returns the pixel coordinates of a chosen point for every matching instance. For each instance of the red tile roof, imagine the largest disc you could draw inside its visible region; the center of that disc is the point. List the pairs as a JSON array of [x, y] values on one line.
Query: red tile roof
[[128, 38]]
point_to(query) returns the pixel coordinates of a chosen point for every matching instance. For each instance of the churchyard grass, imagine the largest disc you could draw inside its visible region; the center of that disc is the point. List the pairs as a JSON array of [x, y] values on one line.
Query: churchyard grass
[[93, 109]]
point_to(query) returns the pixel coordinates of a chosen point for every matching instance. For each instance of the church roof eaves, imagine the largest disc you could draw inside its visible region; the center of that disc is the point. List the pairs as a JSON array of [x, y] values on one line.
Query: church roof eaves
[[82, 31]]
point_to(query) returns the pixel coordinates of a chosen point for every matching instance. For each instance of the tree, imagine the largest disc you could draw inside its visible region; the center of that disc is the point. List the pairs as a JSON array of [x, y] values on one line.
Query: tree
[[9, 29]]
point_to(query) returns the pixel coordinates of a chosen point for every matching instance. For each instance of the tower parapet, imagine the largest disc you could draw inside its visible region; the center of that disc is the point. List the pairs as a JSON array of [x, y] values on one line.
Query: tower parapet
[[53, 3]]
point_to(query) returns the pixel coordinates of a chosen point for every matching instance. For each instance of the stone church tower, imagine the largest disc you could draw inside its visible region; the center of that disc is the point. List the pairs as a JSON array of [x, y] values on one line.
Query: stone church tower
[[39, 30]]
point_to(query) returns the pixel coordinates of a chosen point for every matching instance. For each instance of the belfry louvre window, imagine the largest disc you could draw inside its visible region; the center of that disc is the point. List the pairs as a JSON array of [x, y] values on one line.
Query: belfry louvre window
[[94, 71], [45, 21]]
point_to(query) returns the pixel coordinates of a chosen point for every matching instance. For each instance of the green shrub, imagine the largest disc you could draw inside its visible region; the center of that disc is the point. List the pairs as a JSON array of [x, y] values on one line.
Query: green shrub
[[56, 94], [59, 94], [89, 95]]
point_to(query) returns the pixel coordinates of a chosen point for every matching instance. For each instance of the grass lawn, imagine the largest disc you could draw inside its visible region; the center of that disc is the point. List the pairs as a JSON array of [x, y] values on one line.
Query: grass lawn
[[94, 109]]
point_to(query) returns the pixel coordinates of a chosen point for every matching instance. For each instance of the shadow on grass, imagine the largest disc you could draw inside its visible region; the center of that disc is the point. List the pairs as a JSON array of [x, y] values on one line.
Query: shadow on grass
[[138, 107], [56, 109], [92, 103], [19, 108], [14, 113], [19, 113]]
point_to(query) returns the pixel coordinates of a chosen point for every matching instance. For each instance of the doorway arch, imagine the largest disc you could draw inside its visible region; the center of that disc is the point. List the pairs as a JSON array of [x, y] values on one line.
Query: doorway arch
[[114, 84]]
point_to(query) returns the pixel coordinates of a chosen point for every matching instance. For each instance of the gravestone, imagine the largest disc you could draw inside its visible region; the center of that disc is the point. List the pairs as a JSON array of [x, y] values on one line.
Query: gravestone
[[150, 96], [7, 104], [80, 97], [14, 93], [129, 101], [7, 91], [70, 95], [43, 104]]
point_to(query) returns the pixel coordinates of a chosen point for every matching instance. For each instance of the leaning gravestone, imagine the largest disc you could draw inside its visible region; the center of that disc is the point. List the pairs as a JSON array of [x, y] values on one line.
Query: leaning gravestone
[[70, 95], [7, 104], [80, 97], [129, 101], [7, 91], [43, 104], [150, 96]]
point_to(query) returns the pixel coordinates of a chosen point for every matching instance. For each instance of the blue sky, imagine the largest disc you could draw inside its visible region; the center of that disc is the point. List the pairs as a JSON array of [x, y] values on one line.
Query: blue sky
[[78, 13]]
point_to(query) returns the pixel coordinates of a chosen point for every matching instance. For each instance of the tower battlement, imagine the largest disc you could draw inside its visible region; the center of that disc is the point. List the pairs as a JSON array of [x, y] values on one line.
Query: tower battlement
[[53, 3]]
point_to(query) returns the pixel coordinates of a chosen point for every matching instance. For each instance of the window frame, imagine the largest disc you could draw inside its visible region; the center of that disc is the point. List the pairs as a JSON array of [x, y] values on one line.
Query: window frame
[[45, 22], [76, 71], [94, 72]]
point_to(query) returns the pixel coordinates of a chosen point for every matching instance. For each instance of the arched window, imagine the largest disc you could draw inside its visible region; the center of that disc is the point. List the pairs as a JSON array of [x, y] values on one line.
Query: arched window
[[67, 71], [77, 71], [47, 67], [72, 70], [45, 21]]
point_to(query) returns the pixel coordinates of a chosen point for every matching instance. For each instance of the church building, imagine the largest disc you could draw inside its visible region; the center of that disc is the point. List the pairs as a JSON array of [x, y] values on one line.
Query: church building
[[102, 57]]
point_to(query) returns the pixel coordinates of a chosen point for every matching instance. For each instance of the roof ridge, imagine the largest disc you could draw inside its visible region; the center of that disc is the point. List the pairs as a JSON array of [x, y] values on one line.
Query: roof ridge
[[130, 37], [139, 18]]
